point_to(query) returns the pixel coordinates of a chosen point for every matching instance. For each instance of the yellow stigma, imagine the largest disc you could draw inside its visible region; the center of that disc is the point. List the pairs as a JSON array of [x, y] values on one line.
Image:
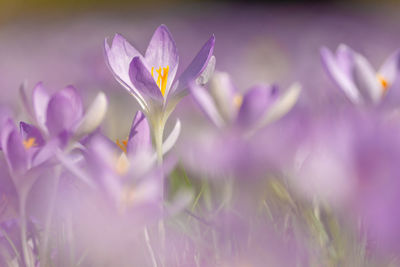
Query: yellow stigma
[[122, 145], [383, 82], [237, 100], [161, 78], [30, 142]]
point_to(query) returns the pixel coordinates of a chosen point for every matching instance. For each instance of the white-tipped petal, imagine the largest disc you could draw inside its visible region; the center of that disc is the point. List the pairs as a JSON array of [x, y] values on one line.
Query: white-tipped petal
[[281, 106], [390, 68], [207, 72], [206, 104], [172, 137], [94, 115], [366, 79], [339, 72]]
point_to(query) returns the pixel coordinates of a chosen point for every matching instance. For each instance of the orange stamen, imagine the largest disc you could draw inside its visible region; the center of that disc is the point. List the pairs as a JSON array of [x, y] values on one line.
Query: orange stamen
[[383, 82], [30, 142], [122, 145], [162, 78]]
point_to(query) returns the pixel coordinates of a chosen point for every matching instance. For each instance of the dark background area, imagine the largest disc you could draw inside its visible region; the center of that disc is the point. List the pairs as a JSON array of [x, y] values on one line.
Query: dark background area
[[21, 9]]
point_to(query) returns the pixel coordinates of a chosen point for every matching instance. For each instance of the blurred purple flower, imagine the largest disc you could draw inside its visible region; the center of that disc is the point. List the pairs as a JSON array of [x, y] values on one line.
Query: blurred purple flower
[[260, 105], [355, 76], [126, 169], [62, 113]]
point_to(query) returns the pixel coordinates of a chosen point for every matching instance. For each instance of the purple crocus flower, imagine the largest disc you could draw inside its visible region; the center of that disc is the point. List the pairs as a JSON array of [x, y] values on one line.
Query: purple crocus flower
[[150, 79], [260, 105], [117, 164], [355, 76], [62, 114], [25, 151]]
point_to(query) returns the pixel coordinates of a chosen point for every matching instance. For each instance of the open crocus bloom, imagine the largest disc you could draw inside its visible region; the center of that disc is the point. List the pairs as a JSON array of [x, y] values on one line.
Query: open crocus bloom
[[260, 105], [356, 77], [151, 78]]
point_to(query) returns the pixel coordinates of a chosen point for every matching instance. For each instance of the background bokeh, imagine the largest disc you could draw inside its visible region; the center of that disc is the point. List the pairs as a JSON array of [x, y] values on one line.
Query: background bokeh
[[61, 42]]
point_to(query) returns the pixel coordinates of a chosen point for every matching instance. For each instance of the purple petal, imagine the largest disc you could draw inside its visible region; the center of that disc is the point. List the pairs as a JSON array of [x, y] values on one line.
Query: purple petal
[[64, 111], [196, 67], [143, 81], [40, 100], [139, 136], [206, 104], [13, 148], [390, 68], [162, 52], [339, 75], [47, 151], [255, 103]]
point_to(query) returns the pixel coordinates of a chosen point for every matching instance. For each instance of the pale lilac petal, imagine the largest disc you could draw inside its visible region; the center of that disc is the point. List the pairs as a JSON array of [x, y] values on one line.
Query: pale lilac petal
[[40, 100], [162, 52], [5, 115], [196, 67], [339, 76], [140, 135], [281, 106], [390, 68], [119, 56], [170, 141], [345, 59], [93, 116], [255, 103], [64, 111], [224, 93], [143, 81], [13, 148], [366, 79], [206, 104]]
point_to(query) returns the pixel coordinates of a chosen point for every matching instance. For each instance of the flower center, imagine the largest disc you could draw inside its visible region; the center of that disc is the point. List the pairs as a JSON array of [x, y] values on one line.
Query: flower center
[[122, 165], [122, 145], [237, 100], [383, 82], [30, 142], [161, 78]]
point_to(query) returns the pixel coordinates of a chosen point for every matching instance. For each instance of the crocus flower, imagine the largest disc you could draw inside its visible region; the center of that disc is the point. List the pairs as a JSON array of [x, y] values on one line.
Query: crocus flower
[[226, 106], [117, 164], [150, 79], [355, 76], [62, 113]]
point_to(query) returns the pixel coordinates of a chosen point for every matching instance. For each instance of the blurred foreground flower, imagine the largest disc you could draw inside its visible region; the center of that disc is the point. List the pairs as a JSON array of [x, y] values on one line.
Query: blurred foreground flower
[[260, 105]]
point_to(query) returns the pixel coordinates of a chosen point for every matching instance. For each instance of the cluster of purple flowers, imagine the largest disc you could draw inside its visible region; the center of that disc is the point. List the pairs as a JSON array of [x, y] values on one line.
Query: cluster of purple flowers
[[265, 181]]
